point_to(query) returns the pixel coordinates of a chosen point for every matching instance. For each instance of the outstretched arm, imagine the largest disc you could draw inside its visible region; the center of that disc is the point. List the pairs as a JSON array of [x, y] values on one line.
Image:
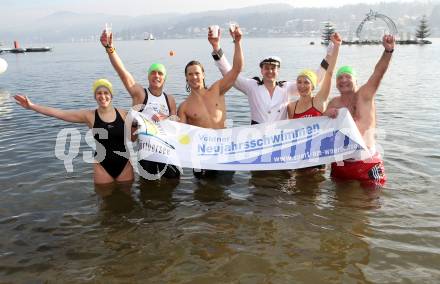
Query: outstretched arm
[[241, 83], [229, 78], [77, 116], [324, 91], [368, 91], [135, 90]]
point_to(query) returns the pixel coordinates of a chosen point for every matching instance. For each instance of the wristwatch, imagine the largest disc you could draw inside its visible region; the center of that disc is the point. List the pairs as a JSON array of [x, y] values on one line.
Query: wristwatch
[[217, 54], [324, 64]]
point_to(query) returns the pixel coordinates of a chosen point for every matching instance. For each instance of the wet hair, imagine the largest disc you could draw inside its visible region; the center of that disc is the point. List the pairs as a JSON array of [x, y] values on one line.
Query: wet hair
[[192, 63]]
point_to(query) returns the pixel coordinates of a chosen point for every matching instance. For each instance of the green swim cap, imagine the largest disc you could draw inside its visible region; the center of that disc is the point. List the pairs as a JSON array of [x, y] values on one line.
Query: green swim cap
[[157, 67], [346, 70]]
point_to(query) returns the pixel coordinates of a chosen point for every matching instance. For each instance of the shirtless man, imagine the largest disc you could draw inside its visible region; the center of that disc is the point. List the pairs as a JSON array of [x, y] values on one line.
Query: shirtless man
[[205, 107], [153, 101], [360, 103]]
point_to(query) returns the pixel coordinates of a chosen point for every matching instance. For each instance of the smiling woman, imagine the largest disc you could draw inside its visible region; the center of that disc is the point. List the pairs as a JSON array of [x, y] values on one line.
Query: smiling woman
[[108, 128]]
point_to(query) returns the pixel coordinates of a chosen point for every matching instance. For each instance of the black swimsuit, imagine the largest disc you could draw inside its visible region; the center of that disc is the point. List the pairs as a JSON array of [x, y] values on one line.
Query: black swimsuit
[[113, 163]]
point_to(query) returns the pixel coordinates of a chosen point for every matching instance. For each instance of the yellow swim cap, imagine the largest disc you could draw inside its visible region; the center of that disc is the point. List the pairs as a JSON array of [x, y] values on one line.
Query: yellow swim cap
[[310, 75], [102, 83]]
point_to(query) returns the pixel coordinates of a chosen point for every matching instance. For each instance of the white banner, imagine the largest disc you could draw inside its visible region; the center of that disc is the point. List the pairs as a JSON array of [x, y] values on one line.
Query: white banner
[[287, 144]]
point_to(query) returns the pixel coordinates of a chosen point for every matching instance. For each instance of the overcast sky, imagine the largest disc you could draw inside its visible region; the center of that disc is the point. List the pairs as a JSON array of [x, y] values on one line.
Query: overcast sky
[[24, 10]]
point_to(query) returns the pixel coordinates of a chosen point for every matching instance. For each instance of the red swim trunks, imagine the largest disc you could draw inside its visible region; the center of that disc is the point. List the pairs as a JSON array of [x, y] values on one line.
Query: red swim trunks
[[371, 170]]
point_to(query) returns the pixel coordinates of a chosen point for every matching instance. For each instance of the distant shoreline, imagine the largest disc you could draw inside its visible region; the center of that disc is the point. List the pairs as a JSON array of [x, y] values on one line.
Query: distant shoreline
[[317, 41]]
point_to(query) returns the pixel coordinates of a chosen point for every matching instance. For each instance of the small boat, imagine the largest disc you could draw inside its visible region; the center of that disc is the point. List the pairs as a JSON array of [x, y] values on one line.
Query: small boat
[[17, 50], [38, 49], [28, 49], [149, 37]]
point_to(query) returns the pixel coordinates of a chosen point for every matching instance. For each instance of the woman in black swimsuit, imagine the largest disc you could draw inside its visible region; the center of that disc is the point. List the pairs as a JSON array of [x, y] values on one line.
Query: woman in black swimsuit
[[106, 118]]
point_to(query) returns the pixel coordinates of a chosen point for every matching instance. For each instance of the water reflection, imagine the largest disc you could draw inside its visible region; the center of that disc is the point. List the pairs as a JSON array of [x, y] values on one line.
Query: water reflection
[[344, 248], [116, 197], [269, 179], [5, 102], [306, 184], [357, 195], [213, 187], [329, 237], [157, 194], [303, 186]]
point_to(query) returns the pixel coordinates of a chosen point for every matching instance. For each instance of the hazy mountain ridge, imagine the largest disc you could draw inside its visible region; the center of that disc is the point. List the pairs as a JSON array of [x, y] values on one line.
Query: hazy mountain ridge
[[262, 20]]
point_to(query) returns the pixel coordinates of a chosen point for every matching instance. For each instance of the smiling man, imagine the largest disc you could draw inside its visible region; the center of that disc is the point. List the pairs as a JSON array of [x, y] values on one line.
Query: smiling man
[[151, 101], [360, 102], [205, 107]]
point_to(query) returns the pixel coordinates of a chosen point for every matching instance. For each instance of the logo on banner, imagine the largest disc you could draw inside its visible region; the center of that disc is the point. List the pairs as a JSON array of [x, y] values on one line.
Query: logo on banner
[[153, 132], [184, 139]]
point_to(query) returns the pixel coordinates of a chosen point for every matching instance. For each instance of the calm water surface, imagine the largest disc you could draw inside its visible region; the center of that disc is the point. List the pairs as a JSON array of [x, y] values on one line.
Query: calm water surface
[[268, 228]]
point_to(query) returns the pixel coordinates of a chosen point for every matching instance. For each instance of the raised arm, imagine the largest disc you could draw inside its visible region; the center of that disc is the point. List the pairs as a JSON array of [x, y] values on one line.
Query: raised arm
[[135, 90], [320, 72], [368, 91], [243, 84], [324, 65], [229, 78], [324, 91], [76, 116], [217, 53]]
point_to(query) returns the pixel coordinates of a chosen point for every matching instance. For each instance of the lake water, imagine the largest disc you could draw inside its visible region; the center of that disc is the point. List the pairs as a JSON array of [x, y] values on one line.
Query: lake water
[[269, 228]]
